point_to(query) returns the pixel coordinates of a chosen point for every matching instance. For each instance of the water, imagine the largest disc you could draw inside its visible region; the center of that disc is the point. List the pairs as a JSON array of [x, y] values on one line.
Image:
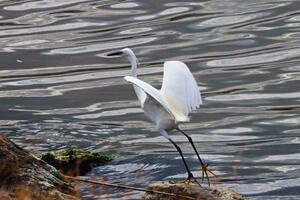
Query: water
[[59, 89]]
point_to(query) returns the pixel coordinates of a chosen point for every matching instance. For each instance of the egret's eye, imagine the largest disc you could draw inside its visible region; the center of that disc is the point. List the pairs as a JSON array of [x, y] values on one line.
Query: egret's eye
[[118, 53]]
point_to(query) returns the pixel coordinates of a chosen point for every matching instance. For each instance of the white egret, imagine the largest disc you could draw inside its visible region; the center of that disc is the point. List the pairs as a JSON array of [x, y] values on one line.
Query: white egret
[[170, 105]]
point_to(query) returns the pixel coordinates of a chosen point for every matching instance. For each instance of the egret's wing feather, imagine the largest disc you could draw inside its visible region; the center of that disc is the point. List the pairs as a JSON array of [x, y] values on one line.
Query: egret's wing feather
[[180, 89], [148, 89]]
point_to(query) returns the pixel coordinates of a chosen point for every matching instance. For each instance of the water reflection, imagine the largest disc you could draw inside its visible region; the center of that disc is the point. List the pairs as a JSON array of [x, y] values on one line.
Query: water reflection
[[58, 88], [256, 59], [43, 4], [103, 46]]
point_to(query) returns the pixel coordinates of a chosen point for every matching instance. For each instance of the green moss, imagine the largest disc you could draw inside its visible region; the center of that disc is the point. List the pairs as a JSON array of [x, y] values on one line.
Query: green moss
[[75, 161]]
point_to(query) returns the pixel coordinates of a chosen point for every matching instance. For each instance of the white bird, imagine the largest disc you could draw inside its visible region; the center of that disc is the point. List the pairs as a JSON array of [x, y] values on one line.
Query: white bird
[[171, 105]]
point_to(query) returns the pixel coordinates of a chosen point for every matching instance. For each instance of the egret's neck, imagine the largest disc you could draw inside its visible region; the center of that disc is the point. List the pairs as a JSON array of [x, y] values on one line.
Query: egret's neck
[[138, 91], [133, 61]]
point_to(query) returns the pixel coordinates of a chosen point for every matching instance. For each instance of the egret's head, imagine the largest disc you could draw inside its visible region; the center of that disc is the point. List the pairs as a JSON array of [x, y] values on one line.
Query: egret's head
[[126, 52]]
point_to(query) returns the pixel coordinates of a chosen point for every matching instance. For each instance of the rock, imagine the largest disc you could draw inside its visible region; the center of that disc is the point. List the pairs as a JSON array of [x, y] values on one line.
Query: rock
[[227, 193], [191, 191], [23, 176], [75, 162]]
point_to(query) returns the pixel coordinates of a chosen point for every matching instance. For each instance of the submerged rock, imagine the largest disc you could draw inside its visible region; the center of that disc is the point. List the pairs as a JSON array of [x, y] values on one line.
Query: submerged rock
[[75, 162], [189, 191], [23, 176]]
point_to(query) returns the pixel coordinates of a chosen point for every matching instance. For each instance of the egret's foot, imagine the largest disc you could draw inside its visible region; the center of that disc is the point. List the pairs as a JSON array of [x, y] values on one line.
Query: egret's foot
[[191, 179], [188, 180], [205, 172]]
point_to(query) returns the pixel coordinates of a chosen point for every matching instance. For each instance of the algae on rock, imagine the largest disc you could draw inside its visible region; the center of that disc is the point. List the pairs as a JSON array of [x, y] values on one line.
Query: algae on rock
[[74, 162]]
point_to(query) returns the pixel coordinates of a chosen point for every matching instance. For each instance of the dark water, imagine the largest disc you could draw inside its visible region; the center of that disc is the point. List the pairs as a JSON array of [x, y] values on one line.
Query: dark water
[[59, 89]]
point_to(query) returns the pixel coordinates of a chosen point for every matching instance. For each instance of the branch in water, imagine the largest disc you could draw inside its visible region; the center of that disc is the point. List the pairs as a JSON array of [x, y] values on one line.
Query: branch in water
[[128, 187]]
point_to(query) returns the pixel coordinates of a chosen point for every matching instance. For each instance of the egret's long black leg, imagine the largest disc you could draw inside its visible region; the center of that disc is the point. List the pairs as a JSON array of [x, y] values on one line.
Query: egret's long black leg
[[190, 175], [180, 152], [192, 143], [204, 166]]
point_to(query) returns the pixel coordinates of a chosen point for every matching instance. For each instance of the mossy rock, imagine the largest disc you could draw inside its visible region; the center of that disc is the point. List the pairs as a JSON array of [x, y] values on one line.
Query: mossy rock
[[74, 162]]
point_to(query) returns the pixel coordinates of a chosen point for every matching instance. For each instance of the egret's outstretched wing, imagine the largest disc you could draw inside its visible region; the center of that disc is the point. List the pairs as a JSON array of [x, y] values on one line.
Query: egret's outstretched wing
[[180, 89], [149, 90]]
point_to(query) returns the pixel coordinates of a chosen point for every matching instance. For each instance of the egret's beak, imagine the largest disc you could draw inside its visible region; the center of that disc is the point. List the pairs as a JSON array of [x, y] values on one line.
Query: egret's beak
[[116, 53]]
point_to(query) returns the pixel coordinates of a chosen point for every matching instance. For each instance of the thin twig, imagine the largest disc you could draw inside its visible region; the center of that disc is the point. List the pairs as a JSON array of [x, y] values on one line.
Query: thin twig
[[128, 187]]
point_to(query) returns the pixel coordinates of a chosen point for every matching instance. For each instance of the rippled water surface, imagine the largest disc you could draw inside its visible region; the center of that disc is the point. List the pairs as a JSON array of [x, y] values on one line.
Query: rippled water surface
[[58, 87]]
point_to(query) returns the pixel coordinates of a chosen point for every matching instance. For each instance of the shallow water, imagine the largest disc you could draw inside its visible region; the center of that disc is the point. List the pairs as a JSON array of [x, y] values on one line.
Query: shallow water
[[59, 89]]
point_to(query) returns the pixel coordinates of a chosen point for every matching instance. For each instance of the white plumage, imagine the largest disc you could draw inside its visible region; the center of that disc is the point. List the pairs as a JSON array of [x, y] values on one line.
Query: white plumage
[[180, 90], [149, 90], [179, 93]]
